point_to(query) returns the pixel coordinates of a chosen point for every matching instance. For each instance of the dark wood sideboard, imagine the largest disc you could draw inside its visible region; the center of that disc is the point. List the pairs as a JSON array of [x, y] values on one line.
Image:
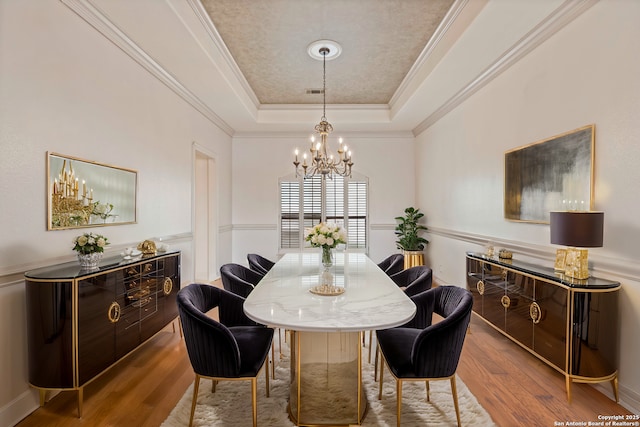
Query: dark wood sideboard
[[80, 323], [570, 324]]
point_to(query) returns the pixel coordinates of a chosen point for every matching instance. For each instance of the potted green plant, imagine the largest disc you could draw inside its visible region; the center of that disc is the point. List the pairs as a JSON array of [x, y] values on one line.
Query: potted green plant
[[409, 240]]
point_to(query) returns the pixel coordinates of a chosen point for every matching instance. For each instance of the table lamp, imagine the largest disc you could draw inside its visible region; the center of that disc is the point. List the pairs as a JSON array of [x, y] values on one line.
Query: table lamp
[[576, 229]]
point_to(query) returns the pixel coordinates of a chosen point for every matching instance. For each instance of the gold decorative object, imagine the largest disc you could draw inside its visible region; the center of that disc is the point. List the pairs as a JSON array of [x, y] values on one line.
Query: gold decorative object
[[148, 247], [488, 250], [327, 290], [505, 254]]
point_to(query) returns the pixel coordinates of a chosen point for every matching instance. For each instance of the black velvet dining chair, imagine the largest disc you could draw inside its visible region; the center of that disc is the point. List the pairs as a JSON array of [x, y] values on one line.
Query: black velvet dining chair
[[392, 264], [422, 350], [239, 279], [235, 348], [259, 263], [412, 281]]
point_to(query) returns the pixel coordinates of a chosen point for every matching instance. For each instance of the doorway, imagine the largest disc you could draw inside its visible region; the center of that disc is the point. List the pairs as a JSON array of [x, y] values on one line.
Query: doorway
[[205, 216]]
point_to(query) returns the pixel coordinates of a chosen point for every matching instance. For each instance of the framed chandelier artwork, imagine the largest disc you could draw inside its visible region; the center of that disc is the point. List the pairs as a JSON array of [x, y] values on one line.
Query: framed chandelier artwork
[[555, 174], [83, 193]]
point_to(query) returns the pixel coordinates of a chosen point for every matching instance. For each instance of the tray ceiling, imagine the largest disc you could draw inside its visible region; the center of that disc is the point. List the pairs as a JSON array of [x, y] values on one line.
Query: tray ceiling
[[381, 41]]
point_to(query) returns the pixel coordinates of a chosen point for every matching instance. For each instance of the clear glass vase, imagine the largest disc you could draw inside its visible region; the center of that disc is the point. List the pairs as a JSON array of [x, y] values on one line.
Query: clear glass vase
[[327, 256]]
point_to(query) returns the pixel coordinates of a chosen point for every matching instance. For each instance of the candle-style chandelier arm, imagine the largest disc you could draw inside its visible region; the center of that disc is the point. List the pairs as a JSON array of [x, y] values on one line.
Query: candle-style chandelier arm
[[320, 161]]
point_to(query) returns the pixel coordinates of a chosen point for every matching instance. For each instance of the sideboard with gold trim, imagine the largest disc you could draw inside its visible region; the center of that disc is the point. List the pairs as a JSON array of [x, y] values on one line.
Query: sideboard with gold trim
[[570, 324], [80, 323]]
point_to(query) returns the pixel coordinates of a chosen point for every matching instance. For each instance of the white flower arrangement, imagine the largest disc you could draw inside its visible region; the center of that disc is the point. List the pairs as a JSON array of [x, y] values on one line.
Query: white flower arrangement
[[325, 235], [89, 243]]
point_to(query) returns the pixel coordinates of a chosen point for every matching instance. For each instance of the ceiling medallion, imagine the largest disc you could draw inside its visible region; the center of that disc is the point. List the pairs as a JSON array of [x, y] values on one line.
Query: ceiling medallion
[[321, 162]]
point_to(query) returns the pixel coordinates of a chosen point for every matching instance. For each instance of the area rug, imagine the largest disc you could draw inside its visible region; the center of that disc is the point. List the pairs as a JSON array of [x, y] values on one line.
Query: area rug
[[230, 405]]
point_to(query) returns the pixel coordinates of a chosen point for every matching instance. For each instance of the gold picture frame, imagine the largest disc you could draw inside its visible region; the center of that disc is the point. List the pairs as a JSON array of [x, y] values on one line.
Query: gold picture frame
[[85, 193], [555, 174]]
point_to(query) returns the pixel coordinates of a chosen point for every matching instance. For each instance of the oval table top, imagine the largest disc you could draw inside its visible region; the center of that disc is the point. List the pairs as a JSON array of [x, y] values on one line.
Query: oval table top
[[371, 300]]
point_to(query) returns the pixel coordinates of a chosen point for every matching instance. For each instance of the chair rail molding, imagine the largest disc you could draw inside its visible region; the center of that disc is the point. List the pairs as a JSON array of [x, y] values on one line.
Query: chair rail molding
[[602, 265]]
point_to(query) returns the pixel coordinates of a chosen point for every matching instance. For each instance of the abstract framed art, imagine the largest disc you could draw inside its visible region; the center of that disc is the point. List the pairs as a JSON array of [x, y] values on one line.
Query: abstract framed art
[[554, 174]]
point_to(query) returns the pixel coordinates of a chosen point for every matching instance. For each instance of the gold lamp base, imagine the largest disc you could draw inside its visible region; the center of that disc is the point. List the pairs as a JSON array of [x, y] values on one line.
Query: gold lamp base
[[576, 263]]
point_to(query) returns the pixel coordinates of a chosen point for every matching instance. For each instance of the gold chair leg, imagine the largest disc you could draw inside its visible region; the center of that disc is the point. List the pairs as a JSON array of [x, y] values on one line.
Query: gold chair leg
[[428, 397], [214, 383], [381, 380], [43, 395], [375, 364], [254, 400], [273, 360], [454, 392], [196, 385], [179, 327], [266, 373], [370, 344], [614, 384], [399, 399]]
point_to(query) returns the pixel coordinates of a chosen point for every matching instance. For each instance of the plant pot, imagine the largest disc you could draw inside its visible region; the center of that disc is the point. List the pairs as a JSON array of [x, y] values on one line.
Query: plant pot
[[413, 258]]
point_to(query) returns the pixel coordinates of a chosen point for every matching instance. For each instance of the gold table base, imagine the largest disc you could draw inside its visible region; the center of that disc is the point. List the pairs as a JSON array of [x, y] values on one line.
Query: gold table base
[[326, 379]]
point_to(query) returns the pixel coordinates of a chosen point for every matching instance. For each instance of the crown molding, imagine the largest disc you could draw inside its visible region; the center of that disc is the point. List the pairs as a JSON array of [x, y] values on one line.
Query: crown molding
[[451, 16], [304, 135], [94, 17], [213, 33], [558, 19]]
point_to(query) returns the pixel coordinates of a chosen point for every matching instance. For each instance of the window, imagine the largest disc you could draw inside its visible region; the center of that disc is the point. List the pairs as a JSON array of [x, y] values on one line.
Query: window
[[306, 202]]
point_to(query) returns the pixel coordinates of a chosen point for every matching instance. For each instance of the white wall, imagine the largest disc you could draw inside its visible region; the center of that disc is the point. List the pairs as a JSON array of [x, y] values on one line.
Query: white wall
[[258, 162], [586, 73], [65, 88]]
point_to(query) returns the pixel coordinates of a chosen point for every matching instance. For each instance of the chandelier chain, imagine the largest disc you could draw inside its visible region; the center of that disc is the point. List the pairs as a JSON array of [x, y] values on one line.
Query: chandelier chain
[[322, 162], [324, 82]]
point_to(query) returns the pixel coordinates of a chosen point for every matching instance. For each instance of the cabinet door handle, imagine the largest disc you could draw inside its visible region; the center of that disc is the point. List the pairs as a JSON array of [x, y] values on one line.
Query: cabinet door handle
[[535, 312], [505, 301], [480, 287], [167, 286], [114, 312]]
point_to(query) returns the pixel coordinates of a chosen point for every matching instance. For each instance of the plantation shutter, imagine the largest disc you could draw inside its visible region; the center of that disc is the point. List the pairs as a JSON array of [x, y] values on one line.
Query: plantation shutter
[[290, 214], [302, 201], [357, 214]]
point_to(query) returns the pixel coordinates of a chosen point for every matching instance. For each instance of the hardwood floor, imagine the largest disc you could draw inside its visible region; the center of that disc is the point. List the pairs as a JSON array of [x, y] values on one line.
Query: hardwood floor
[[517, 389], [511, 384]]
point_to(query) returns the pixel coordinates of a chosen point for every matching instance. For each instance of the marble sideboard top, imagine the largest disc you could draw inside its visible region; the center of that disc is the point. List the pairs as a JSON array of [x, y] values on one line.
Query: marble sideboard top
[[371, 299]]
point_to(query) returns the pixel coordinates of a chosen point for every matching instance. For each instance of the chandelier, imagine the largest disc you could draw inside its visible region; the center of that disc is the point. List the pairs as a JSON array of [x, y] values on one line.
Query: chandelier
[[321, 162]]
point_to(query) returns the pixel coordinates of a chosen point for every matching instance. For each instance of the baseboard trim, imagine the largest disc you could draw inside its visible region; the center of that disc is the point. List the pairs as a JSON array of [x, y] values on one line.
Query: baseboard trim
[[19, 408]]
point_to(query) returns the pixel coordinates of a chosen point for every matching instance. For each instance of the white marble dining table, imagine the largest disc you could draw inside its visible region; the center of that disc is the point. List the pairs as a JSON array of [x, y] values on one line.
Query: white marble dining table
[[327, 330]]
